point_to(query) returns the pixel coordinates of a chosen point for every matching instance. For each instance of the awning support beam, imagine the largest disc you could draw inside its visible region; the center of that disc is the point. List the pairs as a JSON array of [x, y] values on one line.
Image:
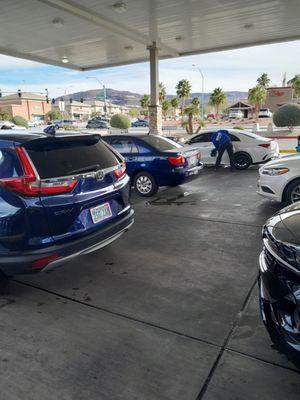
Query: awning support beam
[[155, 118]]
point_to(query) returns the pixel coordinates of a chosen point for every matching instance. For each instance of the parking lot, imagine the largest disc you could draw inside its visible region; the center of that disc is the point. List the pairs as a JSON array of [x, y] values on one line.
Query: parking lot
[[169, 311]]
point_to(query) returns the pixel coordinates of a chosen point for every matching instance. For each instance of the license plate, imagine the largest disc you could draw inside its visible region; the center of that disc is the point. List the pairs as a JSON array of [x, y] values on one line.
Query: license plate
[[100, 213]]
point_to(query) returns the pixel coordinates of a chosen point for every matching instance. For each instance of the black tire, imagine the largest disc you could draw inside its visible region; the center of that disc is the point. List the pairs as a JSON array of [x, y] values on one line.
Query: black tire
[[242, 160], [4, 283], [292, 192], [144, 184]]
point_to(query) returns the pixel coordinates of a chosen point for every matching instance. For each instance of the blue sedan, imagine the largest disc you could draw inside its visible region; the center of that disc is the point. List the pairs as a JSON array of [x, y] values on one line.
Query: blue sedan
[[140, 123], [154, 161]]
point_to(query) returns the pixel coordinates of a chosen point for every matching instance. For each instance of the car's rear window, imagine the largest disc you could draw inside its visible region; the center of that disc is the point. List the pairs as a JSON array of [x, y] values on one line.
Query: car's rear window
[[69, 156], [161, 143]]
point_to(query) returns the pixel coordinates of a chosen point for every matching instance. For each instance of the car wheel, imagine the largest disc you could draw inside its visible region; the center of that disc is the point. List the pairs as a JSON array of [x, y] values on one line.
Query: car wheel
[[292, 193], [145, 184], [242, 160]]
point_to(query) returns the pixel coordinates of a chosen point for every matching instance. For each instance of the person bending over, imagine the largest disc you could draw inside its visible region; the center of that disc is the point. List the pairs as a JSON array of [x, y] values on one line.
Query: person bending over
[[221, 140]]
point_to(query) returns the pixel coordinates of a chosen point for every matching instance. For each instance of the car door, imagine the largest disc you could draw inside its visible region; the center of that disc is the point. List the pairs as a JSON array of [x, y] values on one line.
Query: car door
[[127, 148], [204, 143]]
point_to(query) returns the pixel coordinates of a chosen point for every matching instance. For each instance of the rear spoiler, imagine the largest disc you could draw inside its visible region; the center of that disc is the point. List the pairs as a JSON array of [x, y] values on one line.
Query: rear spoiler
[[79, 138]]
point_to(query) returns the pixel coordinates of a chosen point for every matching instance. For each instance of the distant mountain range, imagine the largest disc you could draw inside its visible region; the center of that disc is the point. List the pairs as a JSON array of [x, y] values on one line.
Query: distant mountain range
[[123, 97]]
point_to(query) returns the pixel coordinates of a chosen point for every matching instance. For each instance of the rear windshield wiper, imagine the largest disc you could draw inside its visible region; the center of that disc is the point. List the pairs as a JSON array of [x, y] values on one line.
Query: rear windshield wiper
[[89, 168]]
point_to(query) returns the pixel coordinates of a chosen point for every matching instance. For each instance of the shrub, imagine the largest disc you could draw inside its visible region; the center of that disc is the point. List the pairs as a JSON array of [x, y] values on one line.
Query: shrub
[[287, 115], [18, 120], [5, 116], [54, 114], [120, 121]]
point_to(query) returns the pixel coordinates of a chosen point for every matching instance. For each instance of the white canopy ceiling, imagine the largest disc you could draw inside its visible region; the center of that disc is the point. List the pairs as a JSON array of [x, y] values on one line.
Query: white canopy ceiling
[[100, 33]]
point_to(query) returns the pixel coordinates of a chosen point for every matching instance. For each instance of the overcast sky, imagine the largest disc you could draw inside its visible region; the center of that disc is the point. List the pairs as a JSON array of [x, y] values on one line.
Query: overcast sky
[[231, 70]]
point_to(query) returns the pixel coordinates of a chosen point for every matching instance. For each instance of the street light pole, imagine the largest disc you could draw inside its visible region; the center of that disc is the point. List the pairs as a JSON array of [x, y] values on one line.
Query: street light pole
[[202, 94], [104, 92]]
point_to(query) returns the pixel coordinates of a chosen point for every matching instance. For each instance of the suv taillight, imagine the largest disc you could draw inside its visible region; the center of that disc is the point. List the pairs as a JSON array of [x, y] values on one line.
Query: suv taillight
[[178, 161], [30, 185], [121, 170]]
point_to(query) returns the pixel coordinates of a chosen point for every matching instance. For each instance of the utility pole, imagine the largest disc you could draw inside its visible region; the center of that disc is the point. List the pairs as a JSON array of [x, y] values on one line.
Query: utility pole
[[104, 92]]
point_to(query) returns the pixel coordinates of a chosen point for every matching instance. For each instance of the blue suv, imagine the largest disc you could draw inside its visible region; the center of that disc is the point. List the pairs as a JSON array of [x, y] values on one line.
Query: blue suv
[[154, 161], [60, 197]]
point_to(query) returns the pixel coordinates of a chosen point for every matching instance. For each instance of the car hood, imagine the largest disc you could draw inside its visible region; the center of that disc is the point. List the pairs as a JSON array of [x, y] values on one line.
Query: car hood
[[282, 161], [285, 225]]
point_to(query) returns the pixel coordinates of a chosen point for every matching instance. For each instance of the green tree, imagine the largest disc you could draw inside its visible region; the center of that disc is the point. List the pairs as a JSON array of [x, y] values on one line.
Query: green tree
[[287, 115], [5, 116], [295, 83], [165, 107], [162, 92], [19, 120], [120, 121], [257, 96], [218, 99], [264, 80], [183, 90], [96, 114], [54, 114], [192, 111], [174, 105], [145, 101], [134, 112]]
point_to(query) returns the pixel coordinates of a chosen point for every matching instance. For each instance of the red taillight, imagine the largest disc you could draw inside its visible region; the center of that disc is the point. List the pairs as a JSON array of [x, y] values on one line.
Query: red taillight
[[266, 145], [179, 160], [120, 171], [30, 185], [42, 262]]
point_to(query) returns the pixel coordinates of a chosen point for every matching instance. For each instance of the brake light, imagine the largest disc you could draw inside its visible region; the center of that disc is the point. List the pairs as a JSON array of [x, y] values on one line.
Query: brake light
[[42, 262], [266, 145], [179, 160], [121, 170], [30, 184]]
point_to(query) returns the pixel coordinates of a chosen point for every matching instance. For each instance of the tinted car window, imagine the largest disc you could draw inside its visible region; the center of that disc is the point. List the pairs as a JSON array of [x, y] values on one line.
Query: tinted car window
[[9, 164], [161, 143], [123, 145], [55, 158], [234, 138], [202, 138]]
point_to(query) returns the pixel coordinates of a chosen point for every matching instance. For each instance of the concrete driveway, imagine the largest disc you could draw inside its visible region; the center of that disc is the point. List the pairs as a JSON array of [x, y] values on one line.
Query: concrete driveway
[[169, 311]]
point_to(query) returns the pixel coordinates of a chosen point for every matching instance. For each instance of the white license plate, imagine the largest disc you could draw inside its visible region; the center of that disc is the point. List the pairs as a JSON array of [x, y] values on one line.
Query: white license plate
[[101, 212]]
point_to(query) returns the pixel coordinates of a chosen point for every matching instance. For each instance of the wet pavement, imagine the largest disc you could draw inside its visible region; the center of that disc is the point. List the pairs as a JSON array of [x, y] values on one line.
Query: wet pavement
[[169, 311]]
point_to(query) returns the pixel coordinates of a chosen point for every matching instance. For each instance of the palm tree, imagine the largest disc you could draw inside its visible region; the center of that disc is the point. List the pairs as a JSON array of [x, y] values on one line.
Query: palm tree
[[165, 107], [257, 96], [295, 83], [183, 90], [145, 101], [174, 105], [264, 80], [192, 110], [162, 92], [217, 99]]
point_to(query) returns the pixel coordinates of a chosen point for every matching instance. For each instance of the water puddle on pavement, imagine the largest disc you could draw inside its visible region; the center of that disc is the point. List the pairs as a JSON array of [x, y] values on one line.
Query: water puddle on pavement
[[172, 200]]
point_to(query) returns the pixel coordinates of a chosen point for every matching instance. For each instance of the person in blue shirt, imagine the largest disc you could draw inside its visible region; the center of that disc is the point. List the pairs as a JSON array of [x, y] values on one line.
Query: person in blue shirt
[[221, 140]]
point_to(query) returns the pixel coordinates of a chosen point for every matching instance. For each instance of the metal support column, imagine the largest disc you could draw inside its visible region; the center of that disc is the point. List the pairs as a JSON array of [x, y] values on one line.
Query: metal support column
[[155, 117]]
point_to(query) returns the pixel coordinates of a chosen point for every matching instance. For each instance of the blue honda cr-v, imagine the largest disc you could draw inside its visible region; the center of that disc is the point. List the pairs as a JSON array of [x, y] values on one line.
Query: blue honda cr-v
[[60, 197]]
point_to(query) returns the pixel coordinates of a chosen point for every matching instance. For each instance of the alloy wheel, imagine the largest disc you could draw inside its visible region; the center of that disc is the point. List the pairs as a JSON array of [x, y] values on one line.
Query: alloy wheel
[[144, 184], [295, 194]]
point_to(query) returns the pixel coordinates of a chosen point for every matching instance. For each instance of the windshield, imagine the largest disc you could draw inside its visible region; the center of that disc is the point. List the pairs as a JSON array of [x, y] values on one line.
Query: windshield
[[161, 143]]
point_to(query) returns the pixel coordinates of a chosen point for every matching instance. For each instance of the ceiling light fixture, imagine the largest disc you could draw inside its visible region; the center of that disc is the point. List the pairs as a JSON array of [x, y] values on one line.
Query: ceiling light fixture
[[120, 7], [65, 60], [178, 38], [58, 22], [128, 48]]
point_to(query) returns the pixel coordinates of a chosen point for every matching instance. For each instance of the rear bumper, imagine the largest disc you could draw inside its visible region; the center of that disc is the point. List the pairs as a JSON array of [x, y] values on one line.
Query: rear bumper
[[21, 263], [186, 175]]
